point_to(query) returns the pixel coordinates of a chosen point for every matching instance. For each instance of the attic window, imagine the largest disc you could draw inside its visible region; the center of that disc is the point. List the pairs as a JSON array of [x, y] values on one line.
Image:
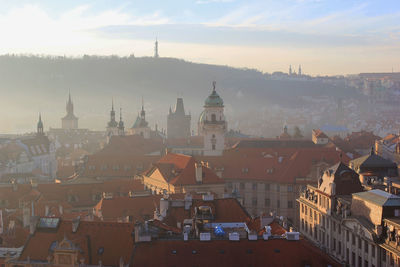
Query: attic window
[[194, 252], [245, 170], [100, 251], [222, 251], [249, 251], [173, 252], [277, 250], [271, 170]]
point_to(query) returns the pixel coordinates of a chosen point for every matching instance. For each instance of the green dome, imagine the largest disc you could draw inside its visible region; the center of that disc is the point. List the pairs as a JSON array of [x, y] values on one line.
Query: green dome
[[214, 100]]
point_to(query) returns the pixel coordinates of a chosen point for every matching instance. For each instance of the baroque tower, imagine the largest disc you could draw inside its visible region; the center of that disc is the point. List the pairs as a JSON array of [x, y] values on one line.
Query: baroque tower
[[212, 125], [70, 121], [112, 125], [121, 127]]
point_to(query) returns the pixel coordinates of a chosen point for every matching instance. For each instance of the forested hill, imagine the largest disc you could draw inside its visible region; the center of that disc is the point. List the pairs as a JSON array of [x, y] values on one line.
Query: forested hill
[[32, 84]]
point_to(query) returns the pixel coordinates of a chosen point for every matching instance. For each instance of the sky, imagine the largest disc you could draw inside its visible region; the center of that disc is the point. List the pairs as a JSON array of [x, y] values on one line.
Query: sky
[[327, 37]]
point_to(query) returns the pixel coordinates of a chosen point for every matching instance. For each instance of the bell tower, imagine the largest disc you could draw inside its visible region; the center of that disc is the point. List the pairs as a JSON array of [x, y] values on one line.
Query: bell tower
[[212, 124]]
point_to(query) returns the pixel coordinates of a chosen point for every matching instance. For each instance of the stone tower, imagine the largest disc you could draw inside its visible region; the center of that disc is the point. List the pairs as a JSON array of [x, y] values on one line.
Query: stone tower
[[212, 125], [70, 121], [178, 123]]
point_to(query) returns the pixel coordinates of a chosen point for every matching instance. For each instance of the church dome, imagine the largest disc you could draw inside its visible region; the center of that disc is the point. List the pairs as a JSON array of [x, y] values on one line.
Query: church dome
[[214, 100], [202, 117]]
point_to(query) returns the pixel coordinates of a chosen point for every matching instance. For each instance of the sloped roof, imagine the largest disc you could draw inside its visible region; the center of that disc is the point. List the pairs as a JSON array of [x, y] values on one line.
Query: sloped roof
[[179, 169], [345, 179], [274, 252], [115, 239], [272, 164], [373, 161], [139, 208], [380, 198]]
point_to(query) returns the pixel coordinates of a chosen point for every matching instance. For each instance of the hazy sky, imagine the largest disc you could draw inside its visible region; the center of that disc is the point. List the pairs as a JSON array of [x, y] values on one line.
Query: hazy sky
[[325, 37]]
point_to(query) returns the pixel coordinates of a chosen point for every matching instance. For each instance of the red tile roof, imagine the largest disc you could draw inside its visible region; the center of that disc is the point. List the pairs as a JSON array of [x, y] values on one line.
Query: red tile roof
[[139, 208], [115, 239], [179, 169], [274, 252], [276, 164]]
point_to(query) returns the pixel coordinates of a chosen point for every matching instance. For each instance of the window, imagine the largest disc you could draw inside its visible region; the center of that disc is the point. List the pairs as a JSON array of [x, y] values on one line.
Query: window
[[254, 201], [290, 204], [353, 239], [334, 244], [254, 186], [359, 261], [290, 188], [278, 188], [305, 210], [315, 216], [365, 246], [347, 255], [267, 202], [359, 243], [229, 185], [373, 251], [266, 187], [241, 185], [245, 170], [334, 226], [353, 258], [302, 224], [213, 146], [340, 229], [278, 204], [347, 236], [213, 118], [302, 208], [340, 247], [366, 263], [383, 255]]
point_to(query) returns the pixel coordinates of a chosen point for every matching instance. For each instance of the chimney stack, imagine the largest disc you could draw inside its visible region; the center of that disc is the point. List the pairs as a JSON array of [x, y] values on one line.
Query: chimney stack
[[199, 172]]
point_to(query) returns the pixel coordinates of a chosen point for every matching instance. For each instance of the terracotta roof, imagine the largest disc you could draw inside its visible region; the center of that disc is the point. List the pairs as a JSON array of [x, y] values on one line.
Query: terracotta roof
[[115, 239], [274, 252], [179, 169], [273, 164], [138, 208], [116, 166], [84, 192], [223, 210]]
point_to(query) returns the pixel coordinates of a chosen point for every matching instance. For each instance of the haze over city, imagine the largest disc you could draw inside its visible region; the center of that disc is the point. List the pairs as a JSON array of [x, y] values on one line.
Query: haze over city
[[199, 133]]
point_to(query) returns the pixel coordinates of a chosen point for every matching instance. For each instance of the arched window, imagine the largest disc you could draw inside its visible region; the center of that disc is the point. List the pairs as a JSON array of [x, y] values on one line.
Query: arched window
[[213, 118]]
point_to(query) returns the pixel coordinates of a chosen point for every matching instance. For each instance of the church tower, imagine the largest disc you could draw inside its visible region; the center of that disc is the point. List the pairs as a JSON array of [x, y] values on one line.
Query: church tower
[[40, 131], [290, 70], [212, 125], [141, 126], [299, 70], [70, 121], [112, 125], [156, 49], [121, 127]]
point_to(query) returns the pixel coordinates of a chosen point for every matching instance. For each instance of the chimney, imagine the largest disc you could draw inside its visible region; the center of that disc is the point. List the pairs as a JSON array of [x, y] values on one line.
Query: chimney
[[75, 224], [198, 172], [163, 207]]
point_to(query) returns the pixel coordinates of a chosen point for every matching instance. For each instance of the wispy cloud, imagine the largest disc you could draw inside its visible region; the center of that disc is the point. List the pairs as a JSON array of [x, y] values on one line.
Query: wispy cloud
[[202, 2]]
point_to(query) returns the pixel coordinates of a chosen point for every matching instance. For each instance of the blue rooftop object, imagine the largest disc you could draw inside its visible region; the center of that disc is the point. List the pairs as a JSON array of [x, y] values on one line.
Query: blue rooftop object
[[218, 231]]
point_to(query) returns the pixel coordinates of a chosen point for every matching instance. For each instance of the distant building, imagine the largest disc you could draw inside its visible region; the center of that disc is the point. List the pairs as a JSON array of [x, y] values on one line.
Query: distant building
[[141, 126], [70, 121], [178, 123], [389, 147], [212, 125]]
